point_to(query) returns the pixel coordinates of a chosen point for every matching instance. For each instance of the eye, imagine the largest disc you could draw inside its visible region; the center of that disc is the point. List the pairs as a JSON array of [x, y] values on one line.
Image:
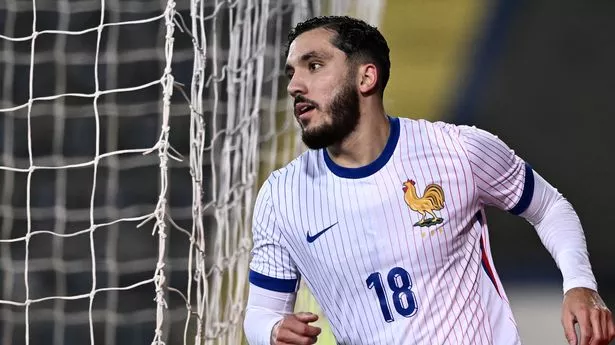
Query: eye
[[315, 65]]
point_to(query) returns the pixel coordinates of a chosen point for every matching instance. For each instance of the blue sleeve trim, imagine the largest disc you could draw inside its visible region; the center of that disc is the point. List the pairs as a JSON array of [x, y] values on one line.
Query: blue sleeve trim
[[273, 284], [528, 192]]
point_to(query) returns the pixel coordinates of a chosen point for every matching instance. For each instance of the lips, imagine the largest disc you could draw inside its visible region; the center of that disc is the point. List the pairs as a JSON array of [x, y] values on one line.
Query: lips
[[302, 108]]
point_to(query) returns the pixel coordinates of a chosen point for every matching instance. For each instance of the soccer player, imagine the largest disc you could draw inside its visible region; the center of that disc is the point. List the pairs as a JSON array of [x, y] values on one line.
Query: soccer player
[[384, 217]]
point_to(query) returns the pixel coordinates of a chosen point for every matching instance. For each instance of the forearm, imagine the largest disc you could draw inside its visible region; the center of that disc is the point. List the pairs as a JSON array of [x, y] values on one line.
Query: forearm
[[264, 309], [560, 231]]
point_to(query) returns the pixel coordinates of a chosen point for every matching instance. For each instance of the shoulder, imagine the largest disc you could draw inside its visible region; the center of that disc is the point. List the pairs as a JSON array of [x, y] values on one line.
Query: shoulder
[[433, 130], [306, 166], [463, 134]]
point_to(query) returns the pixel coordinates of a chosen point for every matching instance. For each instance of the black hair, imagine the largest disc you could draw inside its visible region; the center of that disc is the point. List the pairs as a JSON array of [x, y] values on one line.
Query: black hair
[[360, 41]]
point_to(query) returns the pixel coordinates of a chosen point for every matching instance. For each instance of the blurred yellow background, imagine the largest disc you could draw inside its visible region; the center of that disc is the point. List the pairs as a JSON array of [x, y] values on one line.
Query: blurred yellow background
[[431, 43]]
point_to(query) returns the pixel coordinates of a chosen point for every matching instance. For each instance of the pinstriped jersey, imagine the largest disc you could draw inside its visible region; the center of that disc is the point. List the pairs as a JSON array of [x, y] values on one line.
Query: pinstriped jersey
[[396, 252]]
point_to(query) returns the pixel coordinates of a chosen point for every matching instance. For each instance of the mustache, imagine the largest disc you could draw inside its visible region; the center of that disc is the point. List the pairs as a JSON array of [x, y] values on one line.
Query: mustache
[[302, 99]]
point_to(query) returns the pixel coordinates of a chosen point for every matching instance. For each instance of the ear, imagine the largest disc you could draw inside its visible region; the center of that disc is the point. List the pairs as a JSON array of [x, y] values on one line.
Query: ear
[[368, 78]]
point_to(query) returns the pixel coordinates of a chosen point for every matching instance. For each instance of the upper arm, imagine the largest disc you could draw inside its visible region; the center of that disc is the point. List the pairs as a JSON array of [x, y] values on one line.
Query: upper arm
[[502, 178], [271, 266]]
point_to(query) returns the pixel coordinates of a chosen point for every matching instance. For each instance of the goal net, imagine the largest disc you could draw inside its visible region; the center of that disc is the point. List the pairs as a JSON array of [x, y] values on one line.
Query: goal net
[[133, 137]]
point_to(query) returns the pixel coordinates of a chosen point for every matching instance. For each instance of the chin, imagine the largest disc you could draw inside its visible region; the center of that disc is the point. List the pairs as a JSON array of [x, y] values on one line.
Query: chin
[[310, 122]]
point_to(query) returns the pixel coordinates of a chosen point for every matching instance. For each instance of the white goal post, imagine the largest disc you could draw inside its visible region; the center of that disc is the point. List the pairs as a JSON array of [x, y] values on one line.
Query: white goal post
[[133, 137]]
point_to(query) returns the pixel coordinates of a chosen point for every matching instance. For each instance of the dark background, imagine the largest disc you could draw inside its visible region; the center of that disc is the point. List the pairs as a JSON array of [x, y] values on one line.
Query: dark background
[[543, 80]]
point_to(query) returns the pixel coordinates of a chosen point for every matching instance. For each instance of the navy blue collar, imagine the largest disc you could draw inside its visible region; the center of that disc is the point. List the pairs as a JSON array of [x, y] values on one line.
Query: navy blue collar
[[372, 167]]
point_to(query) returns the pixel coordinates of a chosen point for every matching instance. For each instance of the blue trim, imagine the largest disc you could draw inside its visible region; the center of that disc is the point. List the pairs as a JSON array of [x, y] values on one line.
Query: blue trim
[[273, 284], [479, 217], [528, 192], [372, 167], [484, 264]]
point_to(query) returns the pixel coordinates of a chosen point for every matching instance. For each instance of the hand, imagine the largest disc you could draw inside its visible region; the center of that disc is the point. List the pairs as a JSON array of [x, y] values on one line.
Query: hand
[[586, 307], [294, 330]]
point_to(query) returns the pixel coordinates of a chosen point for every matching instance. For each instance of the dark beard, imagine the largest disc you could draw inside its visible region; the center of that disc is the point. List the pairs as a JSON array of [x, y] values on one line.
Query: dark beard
[[344, 112]]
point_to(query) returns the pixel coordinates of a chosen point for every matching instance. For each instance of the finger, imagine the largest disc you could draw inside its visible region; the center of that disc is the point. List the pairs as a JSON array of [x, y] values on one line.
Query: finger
[[611, 326], [596, 327], [286, 336], [584, 327], [604, 325], [306, 317], [310, 341], [301, 328], [569, 332]]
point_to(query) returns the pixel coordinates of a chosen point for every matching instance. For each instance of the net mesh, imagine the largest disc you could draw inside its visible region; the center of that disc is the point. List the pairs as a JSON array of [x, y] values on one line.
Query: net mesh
[[134, 136]]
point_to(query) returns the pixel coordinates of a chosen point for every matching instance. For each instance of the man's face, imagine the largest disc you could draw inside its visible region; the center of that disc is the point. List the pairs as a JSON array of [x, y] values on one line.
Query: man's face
[[322, 83]]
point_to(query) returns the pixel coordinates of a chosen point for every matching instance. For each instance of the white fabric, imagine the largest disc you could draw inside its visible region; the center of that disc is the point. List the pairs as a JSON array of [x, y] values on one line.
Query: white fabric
[[380, 276], [269, 256], [560, 230], [497, 172], [384, 270], [264, 309]]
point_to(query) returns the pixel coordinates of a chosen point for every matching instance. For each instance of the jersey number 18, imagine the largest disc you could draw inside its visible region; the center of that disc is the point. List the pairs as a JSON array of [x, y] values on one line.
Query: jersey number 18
[[400, 283]]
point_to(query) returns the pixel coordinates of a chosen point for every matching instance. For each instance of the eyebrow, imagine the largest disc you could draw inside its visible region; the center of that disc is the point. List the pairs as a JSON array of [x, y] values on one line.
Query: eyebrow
[[307, 56]]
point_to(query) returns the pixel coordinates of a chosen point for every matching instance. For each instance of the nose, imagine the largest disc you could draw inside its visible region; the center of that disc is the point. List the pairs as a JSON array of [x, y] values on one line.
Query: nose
[[296, 86]]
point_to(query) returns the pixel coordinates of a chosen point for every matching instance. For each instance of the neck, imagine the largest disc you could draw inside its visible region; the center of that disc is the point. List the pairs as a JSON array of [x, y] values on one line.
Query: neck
[[365, 143]]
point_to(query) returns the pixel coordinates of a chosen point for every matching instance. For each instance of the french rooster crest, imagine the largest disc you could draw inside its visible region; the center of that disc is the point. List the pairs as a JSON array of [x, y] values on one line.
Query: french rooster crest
[[431, 201]]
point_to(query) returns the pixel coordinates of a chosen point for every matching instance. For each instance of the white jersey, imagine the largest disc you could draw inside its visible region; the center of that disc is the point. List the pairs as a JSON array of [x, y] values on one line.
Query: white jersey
[[396, 252]]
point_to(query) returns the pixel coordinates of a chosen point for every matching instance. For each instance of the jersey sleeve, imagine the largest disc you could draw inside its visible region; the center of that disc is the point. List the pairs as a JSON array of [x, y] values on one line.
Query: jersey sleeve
[[561, 232], [263, 310], [502, 179], [271, 266]]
